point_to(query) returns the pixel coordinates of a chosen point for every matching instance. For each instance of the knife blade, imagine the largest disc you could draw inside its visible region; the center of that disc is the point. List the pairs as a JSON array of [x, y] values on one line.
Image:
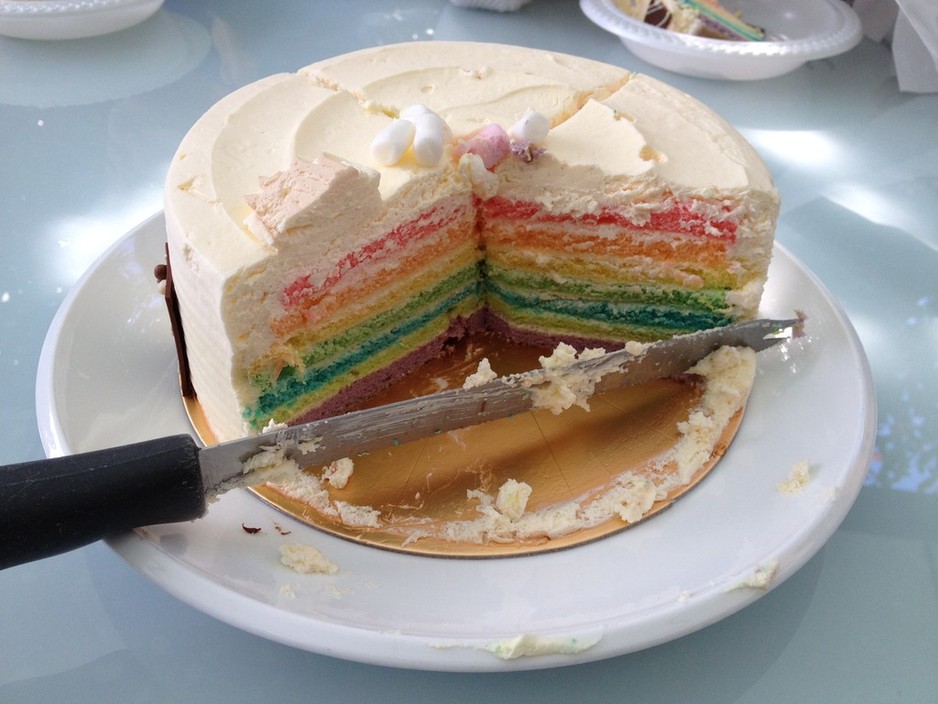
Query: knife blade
[[58, 504]]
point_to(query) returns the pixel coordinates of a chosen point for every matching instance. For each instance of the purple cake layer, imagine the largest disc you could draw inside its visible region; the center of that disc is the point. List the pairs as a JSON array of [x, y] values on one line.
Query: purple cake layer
[[499, 325], [366, 387]]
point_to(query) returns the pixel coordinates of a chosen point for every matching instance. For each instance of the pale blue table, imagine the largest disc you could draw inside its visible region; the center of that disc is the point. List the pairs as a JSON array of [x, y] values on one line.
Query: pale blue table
[[88, 130]]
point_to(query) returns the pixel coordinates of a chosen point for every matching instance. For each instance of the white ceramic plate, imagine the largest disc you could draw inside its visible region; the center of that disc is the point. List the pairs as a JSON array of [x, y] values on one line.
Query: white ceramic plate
[[107, 375], [796, 31], [71, 19]]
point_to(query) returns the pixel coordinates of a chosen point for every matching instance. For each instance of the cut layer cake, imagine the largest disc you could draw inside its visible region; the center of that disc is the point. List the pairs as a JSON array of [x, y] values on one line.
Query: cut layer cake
[[330, 230]]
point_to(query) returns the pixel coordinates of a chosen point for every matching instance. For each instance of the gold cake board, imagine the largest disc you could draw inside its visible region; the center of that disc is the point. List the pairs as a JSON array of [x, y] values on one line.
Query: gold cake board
[[423, 484]]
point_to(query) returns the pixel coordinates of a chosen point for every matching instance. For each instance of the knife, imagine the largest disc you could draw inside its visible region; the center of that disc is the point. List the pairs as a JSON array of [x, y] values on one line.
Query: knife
[[58, 504]]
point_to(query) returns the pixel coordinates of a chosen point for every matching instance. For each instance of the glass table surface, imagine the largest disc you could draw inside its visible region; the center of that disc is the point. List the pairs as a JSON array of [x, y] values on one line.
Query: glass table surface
[[90, 125]]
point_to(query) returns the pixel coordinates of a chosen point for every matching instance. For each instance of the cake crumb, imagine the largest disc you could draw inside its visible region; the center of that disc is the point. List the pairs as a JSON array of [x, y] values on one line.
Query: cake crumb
[[512, 499], [339, 472], [268, 464], [798, 478], [729, 372], [273, 425], [561, 387], [482, 375], [308, 446], [306, 559], [760, 578], [528, 645], [358, 516], [635, 348]]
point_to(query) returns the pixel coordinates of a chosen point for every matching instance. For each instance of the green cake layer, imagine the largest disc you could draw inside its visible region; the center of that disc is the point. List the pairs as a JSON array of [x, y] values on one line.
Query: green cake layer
[[596, 319]]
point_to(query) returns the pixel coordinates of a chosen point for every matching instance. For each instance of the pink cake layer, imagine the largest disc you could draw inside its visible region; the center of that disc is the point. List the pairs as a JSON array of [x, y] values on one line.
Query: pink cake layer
[[682, 217], [302, 292]]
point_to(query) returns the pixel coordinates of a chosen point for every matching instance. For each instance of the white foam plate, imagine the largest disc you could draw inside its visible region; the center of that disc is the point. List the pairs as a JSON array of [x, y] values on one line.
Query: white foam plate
[[796, 31], [107, 375], [71, 19]]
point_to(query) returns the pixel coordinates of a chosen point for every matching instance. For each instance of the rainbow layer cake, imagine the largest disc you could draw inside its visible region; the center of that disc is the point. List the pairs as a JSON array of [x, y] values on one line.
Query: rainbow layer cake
[[330, 230], [704, 18]]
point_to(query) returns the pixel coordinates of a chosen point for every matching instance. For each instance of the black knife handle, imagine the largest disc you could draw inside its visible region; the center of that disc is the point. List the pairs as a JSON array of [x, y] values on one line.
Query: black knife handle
[[54, 505]]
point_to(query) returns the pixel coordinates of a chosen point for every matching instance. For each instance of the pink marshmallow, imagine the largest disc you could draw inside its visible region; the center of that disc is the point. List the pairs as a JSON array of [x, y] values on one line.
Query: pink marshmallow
[[490, 144]]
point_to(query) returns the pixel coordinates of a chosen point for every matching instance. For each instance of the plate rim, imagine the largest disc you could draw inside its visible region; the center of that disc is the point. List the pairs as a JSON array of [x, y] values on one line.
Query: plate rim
[[52, 20], [398, 649], [62, 8]]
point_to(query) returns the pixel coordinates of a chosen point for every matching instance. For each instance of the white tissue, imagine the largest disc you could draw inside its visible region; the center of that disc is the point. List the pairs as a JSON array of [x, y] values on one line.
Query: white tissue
[[911, 26]]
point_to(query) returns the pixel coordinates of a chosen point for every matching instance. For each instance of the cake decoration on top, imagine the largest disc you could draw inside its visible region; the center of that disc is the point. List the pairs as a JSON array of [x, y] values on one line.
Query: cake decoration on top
[[417, 128], [425, 134], [532, 127], [306, 193], [491, 144]]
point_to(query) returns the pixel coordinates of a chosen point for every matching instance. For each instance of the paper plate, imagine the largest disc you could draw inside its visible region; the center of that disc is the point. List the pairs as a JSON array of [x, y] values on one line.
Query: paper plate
[[71, 19], [796, 31]]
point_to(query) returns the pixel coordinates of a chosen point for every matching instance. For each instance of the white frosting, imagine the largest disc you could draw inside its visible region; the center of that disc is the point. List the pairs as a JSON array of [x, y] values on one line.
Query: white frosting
[[339, 472], [307, 193], [233, 242], [730, 372], [482, 375], [512, 499], [563, 388]]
